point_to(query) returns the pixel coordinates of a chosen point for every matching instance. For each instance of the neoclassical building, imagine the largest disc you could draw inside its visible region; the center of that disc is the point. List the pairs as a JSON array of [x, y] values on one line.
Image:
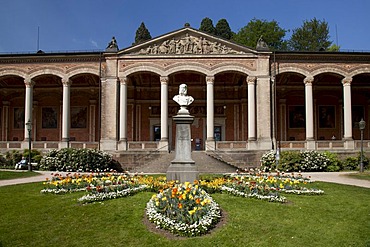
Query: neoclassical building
[[245, 98]]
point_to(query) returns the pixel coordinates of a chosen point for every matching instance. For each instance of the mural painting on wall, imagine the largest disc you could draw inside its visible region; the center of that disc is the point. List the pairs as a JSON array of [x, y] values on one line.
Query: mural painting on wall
[[49, 118], [297, 117], [358, 113], [327, 117], [18, 118], [79, 117]]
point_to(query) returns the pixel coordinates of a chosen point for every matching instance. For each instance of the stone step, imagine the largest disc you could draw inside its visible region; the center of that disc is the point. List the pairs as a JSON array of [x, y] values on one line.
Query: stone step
[[204, 163]]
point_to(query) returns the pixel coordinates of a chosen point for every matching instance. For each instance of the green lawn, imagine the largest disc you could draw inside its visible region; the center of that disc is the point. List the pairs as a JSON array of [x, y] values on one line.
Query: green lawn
[[16, 174], [360, 175], [340, 217]]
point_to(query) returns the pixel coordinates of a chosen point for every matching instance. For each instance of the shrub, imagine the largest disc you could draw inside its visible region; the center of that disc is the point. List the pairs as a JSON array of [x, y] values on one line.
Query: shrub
[[335, 164], [290, 161], [295, 161], [268, 160], [13, 157], [353, 163], [79, 160]]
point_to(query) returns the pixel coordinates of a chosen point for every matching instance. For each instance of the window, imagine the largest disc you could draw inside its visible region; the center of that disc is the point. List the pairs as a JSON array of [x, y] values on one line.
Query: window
[[217, 133], [157, 133]]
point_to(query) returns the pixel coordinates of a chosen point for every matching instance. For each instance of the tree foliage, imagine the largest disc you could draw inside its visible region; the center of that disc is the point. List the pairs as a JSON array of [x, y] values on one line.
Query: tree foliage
[[271, 32], [142, 34], [207, 26], [313, 35], [223, 29]]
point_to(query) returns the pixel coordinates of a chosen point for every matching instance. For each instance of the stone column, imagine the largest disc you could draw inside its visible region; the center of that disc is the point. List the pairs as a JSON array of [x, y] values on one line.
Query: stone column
[[123, 114], [347, 108], [210, 142], [5, 121], [28, 106], [251, 108], [310, 141], [92, 120], [109, 113], [163, 144], [263, 103], [66, 112]]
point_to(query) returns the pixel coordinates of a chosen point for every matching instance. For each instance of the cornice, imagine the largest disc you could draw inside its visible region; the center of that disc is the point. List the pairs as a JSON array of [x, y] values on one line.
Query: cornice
[[321, 57], [27, 59]]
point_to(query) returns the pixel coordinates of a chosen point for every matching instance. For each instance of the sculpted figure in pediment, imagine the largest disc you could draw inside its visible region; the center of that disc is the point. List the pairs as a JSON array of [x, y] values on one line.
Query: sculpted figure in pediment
[[188, 45]]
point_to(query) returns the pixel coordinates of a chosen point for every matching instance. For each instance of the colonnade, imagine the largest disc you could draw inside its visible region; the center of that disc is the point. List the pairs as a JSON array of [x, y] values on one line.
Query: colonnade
[[251, 80], [66, 111], [347, 109]]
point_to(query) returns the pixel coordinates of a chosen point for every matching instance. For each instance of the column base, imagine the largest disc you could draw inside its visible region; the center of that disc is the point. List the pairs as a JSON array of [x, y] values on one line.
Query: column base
[[123, 145], [163, 145], [310, 144], [63, 144], [349, 144], [108, 145], [210, 145]]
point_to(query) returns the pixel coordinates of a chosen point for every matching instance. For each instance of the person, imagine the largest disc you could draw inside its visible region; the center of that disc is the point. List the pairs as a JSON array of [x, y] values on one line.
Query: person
[[182, 98]]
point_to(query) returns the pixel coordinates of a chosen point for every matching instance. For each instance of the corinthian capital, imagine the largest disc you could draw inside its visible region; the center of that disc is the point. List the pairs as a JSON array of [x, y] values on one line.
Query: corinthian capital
[[347, 81], [66, 82], [308, 81], [164, 80], [29, 83], [210, 79], [251, 79], [124, 80]]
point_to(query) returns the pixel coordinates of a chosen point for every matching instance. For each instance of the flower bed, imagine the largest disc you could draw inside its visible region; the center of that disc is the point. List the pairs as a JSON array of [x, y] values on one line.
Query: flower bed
[[185, 210]]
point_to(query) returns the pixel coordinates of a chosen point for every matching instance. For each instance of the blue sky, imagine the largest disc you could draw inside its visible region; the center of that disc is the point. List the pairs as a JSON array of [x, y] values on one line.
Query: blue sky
[[71, 25]]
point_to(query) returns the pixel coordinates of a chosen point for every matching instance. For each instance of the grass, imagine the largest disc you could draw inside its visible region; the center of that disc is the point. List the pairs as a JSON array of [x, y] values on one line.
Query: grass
[[340, 217], [360, 175], [16, 174]]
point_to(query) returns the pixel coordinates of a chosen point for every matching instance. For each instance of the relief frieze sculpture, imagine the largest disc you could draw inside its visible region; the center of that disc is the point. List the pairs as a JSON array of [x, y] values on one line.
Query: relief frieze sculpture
[[187, 45]]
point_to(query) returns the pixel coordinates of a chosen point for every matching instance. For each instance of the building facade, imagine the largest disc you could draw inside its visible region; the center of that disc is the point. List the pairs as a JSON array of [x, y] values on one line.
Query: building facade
[[245, 99]]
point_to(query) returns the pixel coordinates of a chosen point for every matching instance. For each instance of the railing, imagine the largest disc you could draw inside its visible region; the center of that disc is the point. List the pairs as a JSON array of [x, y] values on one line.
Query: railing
[[47, 145]]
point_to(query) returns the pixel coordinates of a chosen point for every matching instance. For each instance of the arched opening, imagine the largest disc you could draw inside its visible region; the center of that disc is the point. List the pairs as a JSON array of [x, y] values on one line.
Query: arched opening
[[290, 107], [360, 89], [84, 108], [328, 105], [12, 95]]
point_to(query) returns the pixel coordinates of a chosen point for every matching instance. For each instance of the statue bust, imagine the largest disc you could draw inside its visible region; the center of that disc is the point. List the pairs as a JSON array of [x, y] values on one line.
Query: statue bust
[[182, 98]]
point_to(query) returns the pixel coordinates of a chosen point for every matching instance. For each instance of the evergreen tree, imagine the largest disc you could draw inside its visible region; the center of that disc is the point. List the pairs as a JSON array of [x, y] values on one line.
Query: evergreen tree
[[223, 29], [271, 32], [142, 34], [313, 35], [207, 26]]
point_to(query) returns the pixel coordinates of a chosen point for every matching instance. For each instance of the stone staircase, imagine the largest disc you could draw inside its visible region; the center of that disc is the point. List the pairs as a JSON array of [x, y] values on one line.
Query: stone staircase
[[239, 160], [204, 163]]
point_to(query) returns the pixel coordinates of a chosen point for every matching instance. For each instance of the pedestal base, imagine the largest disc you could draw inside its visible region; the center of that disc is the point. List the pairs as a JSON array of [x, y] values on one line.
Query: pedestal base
[[183, 168], [182, 172]]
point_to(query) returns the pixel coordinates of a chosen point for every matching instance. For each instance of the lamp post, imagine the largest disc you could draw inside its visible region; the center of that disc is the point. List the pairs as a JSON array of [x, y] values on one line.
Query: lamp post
[[362, 125], [29, 128]]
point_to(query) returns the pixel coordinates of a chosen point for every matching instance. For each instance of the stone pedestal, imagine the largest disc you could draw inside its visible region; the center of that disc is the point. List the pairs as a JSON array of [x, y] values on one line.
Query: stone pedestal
[[183, 168]]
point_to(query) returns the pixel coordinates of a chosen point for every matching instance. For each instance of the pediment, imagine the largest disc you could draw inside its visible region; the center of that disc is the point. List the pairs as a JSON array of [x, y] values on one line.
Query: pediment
[[187, 41]]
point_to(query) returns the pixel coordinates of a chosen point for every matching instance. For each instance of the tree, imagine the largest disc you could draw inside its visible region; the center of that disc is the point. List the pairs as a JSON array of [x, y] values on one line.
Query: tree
[[223, 29], [207, 26], [334, 48], [142, 34], [313, 35], [271, 32]]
